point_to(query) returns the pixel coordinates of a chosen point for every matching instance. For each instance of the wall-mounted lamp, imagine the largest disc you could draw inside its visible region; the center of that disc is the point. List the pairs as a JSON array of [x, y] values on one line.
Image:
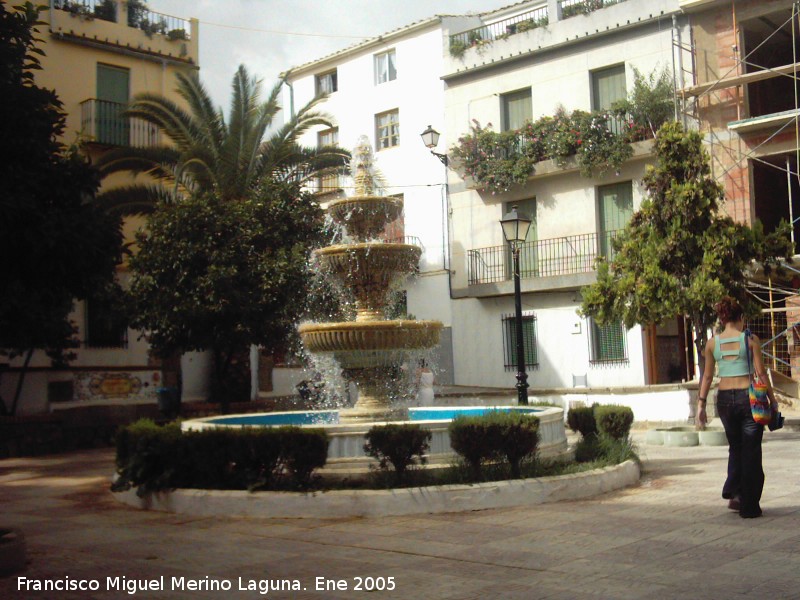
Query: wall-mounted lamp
[[430, 137]]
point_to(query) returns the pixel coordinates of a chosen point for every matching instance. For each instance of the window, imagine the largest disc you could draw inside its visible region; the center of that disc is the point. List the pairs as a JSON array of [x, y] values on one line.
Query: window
[[608, 86], [327, 83], [106, 326], [607, 342], [385, 67], [528, 340], [517, 109], [110, 126], [329, 182], [387, 129], [615, 207]]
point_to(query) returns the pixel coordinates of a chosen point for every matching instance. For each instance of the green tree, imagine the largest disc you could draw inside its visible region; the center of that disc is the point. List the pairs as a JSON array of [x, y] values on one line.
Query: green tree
[[204, 153], [56, 243], [679, 255], [220, 276]]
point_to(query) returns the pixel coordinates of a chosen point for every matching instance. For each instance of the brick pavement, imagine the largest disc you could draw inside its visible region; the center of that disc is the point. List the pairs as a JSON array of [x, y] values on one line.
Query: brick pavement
[[670, 537]]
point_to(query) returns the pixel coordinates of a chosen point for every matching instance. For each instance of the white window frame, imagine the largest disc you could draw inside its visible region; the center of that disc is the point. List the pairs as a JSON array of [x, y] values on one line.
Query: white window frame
[[385, 67]]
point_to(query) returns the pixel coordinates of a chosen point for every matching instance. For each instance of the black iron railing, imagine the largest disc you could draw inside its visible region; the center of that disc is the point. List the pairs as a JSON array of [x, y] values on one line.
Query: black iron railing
[[152, 22], [499, 30], [542, 258], [105, 123]]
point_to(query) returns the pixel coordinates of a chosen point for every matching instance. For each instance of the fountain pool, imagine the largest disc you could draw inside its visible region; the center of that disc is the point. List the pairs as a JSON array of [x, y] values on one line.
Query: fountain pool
[[347, 438]]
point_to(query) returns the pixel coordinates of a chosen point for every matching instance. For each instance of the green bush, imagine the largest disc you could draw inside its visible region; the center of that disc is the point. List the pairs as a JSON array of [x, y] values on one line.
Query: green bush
[[471, 439], [146, 456], [614, 421], [303, 451], [581, 419], [588, 449], [398, 445], [479, 439], [154, 458]]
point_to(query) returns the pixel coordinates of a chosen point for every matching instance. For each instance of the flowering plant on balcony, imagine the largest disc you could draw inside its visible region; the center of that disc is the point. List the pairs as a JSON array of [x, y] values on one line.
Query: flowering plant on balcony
[[501, 160]]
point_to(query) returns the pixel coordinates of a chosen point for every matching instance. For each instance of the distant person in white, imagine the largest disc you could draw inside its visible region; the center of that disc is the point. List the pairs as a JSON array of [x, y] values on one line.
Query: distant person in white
[[424, 384]]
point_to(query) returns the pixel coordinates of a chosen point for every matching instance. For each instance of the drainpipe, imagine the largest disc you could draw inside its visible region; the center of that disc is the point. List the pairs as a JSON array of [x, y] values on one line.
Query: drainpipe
[[285, 77]]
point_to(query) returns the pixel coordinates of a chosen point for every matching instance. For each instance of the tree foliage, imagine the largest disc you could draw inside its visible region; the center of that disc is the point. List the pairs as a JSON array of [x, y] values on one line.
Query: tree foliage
[[205, 152], [56, 244], [220, 276], [679, 255]]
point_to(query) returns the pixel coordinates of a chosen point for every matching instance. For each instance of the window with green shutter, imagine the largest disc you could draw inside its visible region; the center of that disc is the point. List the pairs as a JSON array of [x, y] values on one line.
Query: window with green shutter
[[112, 99], [607, 342], [615, 208], [528, 341]]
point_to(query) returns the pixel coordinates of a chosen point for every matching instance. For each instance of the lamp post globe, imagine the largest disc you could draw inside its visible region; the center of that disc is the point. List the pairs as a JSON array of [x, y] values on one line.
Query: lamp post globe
[[515, 229]]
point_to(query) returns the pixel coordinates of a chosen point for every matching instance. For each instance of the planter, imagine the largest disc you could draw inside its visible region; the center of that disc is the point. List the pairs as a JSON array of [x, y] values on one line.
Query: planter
[[713, 436], [680, 436]]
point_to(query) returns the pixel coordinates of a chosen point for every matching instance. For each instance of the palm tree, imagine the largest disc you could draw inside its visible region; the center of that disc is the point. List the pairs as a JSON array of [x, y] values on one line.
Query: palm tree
[[209, 154]]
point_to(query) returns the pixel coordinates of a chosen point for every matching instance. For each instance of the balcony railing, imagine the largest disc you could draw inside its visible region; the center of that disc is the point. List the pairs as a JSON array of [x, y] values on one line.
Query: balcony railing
[[571, 8], [328, 184], [499, 30], [568, 255], [104, 123], [105, 10], [151, 22]]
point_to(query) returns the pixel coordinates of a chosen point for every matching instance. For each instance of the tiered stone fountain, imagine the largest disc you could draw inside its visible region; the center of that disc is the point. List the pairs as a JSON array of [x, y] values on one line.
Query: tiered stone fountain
[[371, 347]]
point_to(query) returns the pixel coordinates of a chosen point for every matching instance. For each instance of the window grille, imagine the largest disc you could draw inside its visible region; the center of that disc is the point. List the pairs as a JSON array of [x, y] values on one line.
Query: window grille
[[528, 341], [607, 343]]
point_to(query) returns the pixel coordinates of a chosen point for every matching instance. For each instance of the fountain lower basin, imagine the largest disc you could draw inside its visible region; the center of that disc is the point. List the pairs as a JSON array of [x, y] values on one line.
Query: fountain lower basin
[[346, 447]]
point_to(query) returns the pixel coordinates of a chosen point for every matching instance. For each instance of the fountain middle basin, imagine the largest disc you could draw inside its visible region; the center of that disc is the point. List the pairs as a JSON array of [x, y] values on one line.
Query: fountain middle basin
[[347, 439]]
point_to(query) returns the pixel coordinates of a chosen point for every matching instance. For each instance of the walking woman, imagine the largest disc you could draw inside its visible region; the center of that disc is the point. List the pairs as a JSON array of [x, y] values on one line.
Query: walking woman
[[728, 350]]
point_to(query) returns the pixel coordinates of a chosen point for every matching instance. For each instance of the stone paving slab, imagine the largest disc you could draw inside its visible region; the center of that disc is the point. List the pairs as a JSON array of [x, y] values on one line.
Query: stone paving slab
[[671, 536]]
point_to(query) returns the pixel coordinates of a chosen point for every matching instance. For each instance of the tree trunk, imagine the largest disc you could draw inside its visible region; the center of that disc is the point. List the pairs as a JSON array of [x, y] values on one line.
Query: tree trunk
[[20, 381]]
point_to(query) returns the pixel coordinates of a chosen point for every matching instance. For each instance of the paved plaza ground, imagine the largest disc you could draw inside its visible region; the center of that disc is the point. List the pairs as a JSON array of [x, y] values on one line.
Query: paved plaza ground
[[669, 537]]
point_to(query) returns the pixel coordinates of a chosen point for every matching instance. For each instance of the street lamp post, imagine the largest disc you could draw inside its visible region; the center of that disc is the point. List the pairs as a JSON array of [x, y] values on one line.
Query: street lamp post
[[515, 230]]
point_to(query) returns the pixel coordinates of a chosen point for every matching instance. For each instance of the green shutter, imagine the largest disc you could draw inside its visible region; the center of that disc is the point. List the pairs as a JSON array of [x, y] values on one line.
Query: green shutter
[[608, 342], [528, 341], [615, 205], [112, 97]]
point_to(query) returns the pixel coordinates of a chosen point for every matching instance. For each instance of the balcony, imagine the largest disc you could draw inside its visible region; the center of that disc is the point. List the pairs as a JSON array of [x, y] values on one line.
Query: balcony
[[572, 8], [554, 257], [500, 30], [103, 122]]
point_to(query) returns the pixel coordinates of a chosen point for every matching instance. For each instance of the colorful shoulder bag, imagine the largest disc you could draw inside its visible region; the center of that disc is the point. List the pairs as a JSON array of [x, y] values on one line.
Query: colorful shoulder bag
[[759, 400]]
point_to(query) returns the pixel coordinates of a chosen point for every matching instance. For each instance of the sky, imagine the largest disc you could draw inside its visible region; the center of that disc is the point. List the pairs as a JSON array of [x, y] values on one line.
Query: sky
[[270, 36]]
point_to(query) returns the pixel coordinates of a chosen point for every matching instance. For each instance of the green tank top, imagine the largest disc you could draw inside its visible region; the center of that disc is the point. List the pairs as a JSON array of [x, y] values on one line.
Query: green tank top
[[735, 367]]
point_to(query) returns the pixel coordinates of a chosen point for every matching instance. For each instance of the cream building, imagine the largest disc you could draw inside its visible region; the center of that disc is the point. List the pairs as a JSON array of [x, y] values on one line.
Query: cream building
[[99, 54]]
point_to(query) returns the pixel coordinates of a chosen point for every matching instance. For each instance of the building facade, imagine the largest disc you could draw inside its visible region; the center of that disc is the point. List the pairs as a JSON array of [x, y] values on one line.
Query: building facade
[[98, 55], [502, 70]]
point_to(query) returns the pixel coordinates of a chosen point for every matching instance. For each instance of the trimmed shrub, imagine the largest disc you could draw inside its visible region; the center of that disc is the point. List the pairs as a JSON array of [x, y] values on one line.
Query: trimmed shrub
[[516, 435], [154, 458], [588, 449], [398, 445], [582, 419], [303, 451], [470, 438], [497, 434], [614, 421], [146, 456]]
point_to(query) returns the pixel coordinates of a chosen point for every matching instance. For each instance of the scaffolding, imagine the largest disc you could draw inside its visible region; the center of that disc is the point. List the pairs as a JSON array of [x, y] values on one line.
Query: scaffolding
[[778, 326]]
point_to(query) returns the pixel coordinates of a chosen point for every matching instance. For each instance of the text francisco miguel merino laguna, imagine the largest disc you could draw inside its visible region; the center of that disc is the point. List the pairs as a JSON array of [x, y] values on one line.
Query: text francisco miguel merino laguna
[[159, 584]]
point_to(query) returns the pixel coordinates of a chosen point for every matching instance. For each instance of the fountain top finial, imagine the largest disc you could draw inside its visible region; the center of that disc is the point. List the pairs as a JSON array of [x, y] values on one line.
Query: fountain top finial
[[367, 179]]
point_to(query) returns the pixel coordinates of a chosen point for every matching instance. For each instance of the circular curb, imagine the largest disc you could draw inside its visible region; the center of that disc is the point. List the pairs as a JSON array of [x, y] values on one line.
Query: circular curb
[[379, 503]]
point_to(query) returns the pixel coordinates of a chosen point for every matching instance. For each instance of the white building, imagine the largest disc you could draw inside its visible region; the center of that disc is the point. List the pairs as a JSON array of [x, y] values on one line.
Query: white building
[[505, 68]]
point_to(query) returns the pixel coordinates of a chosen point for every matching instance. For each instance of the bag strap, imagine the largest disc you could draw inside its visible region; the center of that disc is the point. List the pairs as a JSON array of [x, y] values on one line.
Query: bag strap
[[747, 352]]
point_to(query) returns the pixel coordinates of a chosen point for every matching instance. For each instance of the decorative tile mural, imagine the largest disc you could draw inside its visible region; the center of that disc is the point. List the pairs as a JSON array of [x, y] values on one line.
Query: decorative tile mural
[[117, 385]]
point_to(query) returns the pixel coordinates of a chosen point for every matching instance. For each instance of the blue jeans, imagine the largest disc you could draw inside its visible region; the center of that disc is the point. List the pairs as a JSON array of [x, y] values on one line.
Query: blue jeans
[[745, 473]]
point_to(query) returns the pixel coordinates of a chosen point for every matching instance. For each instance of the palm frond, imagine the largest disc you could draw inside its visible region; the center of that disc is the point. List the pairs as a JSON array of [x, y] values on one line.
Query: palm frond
[[134, 199]]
